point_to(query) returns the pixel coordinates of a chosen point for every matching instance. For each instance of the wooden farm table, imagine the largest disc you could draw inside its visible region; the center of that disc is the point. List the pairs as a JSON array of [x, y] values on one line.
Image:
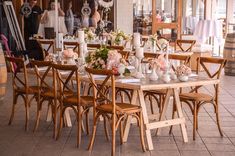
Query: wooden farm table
[[172, 89], [138, 94]]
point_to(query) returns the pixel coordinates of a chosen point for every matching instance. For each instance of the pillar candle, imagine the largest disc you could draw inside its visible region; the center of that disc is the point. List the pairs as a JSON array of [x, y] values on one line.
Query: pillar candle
[[61, 41], [136, 40], [81, 36], [139, 52]]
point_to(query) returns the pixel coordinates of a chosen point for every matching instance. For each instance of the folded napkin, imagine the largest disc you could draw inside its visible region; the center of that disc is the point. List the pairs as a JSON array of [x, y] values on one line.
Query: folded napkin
[[131, 80], [193, 75]]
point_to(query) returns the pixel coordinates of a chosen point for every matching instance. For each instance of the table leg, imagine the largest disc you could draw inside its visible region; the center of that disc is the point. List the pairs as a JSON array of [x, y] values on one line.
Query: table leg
[[180, 114], [129, 118], [146, 120], [165, 106]]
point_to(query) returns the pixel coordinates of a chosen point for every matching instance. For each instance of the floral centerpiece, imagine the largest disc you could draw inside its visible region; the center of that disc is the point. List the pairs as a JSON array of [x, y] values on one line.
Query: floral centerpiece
[[104, 58], [153, 38], [89, 34], [69, 55], [158, 66], [183, 72], [118, 36]]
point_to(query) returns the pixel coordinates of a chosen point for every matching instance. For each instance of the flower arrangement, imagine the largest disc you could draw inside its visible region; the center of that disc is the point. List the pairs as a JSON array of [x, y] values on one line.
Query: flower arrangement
[[158, 63], [153, 38], [118, 36], [69, 53], [89, 35], [103, 58], [183, 70]]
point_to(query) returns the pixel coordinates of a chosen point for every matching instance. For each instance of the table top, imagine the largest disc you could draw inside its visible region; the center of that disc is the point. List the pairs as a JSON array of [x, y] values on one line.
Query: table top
[[146, 84]]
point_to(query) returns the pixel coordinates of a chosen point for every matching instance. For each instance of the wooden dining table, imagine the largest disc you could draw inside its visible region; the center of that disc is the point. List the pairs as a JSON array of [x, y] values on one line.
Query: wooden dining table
[[173, 88], [139, 86]]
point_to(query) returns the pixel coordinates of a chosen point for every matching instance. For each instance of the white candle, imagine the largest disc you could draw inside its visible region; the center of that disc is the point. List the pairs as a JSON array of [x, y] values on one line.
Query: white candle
[[81, 50], [61, 41], [56, 23], [139, 52], [81, 36], [136, 40]]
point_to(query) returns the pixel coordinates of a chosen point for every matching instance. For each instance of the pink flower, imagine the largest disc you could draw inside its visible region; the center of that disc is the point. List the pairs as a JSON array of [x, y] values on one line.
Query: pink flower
[[68, 53], [113, 59]]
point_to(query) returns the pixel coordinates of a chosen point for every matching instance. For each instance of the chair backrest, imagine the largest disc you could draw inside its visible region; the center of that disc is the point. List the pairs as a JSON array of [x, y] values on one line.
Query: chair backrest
[[184, 59], [41, 77], [203, 61], [63, 75], [49, 43], [114, 47], [17, 81], [182, 43], [100, 91], [74, 45]]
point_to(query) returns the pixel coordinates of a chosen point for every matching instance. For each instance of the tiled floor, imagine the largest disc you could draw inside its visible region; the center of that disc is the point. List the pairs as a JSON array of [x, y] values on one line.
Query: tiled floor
[[14, 141]]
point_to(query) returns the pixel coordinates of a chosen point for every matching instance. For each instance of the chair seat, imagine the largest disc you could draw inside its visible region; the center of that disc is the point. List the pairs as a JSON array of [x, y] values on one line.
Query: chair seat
[[120, 107], [85, 100], [50, 93], [32, 89], [196, 97]]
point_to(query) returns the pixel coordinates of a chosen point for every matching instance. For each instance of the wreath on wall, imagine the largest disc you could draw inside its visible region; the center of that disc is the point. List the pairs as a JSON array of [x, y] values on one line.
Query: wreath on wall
[[106, 4]]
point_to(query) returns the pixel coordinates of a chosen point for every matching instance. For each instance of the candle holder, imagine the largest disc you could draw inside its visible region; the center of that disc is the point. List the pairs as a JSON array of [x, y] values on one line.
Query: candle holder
[[139, 74]]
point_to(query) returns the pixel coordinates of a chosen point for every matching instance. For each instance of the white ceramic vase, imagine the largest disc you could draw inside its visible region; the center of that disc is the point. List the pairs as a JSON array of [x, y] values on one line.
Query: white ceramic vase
[[153, 76], [183, 78]]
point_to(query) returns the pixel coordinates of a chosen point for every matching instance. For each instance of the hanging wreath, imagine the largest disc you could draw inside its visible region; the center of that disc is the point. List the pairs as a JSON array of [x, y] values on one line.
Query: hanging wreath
[[25, 9], [106, 4], [86, 10]]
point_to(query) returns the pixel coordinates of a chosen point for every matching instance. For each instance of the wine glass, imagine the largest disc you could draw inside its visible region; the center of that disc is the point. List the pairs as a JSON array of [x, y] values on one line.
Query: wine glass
[[131, 60], [121, 70]]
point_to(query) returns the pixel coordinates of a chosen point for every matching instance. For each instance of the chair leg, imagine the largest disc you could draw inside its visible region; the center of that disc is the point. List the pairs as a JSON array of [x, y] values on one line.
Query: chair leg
[[15, 97], [121, 132], [217, 120], [194, 120], [93, 133], [39, 108], [26, 112], [113, 135], [79, 126], [87, 122], [60, 124], [142, 131], [106, 129]]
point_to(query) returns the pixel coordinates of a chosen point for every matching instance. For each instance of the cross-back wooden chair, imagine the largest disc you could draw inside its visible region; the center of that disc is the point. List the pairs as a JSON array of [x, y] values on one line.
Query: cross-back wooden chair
[[159, 95], [46, 91], [113, 47], [80, 104], [21, 87], [182, 43], [183, 59], [49, 43], [196, 98], [74, 45], [108, 107]]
